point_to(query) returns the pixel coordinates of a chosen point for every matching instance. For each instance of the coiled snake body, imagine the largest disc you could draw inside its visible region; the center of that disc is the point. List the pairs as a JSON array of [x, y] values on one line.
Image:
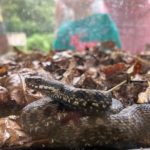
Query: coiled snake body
[[103, 120]]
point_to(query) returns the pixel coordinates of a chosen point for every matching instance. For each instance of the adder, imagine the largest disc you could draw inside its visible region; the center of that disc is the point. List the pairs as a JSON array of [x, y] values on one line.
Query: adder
[[101, 120]]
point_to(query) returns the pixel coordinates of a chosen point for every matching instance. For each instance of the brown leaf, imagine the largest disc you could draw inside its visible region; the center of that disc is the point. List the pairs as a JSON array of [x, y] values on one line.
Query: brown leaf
[[10, 132], [3, 70], [3, 95], [14, 84], [88, 82], [137, 68], [70, 73], [144, 97], [113, 69]]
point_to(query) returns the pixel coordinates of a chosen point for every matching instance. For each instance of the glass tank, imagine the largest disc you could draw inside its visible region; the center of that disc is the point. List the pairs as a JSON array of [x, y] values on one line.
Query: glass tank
[[74, 74]]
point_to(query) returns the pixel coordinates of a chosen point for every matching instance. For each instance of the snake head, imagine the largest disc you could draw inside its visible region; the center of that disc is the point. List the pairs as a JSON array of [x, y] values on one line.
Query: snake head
[[34, 82], [40, 83]]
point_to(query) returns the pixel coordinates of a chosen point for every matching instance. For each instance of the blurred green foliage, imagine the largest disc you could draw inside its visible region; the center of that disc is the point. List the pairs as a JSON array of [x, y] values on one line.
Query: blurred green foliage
[[40, 42], [34, 17], [29, 16]]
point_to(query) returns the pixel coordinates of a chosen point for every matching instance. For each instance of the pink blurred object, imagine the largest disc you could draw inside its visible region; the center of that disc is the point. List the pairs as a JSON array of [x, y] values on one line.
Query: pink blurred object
[[133, 20], [81, 46]]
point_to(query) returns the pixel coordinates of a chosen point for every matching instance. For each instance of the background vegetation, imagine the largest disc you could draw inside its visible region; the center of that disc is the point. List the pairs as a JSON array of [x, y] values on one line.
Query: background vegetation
[[34, 17]]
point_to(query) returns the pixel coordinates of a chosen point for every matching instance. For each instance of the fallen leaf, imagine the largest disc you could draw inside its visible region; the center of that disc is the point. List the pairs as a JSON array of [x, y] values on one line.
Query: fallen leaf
[[14, 84], [144, 97], [11, 133], [3, 70], [113, 69], [3, 95]]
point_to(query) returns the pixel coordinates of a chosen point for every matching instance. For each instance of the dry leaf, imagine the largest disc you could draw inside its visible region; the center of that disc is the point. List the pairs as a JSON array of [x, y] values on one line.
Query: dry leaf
[[3, 95], [14, 84], [113, 69], [144, 97], [3, 70], [10, 132]]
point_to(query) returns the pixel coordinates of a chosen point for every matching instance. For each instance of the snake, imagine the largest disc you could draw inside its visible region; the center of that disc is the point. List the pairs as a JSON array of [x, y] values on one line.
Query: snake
[[96, 117]]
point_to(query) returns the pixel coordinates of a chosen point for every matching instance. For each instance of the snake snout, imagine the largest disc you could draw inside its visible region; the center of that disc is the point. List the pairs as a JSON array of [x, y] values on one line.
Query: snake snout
[[32, 81]]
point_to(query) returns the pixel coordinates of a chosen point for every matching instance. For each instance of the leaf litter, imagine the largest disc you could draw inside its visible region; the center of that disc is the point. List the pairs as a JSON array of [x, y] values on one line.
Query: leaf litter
[[93, 69]]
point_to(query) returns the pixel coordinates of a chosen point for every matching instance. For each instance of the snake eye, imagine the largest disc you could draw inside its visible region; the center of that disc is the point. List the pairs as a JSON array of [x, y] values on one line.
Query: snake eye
[[27, 80], [80, 94], [38, 80]]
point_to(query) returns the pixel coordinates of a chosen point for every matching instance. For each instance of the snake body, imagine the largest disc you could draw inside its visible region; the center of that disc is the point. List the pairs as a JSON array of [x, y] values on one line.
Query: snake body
[[87, 101], [104, 121]]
